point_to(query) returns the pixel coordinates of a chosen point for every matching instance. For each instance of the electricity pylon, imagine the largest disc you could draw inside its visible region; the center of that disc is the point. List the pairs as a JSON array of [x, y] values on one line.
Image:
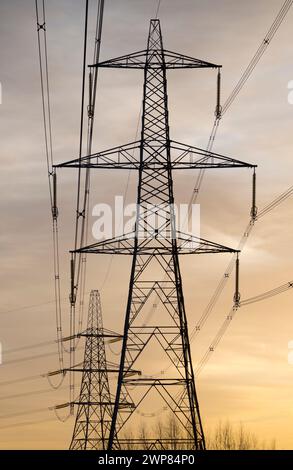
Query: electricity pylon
[[95, 402], [94, 406], [155, 246]]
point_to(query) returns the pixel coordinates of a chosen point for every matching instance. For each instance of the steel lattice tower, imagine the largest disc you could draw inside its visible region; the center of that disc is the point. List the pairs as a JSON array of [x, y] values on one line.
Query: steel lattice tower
[[94, 408], [155, 246]]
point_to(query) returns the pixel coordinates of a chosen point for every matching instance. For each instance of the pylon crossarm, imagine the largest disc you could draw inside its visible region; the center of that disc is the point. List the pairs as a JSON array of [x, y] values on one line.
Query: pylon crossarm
[[90, 403], [107, 370], [120, 157], [189, 244], [141, 59], [186, 156], [121, 245], [135, 60], [91, 370], [157, 246], [150, 382], [102, 334], [183, 157], [173, 60]]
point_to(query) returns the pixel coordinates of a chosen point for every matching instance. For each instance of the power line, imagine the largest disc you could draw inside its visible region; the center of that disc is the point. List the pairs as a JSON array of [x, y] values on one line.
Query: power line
[[243, 79], [221, 285], [26, 307], [30, 378], [158, 8], [268, 294], [46, 106], [263, 296], [240, 84], [28, 394], [84, 212], [30, 346], [228, 271], [272, 30], [225, 278], [275, 202], [216, 294], [210, 306], [215, 341], [245, 302], [44, 77], [78, 261], [220, 111], [79, 213], [258, 54], [28, 358], [268, 208], [23, 413], [31, 358], [93, 80], [229, 317], [27, 423]]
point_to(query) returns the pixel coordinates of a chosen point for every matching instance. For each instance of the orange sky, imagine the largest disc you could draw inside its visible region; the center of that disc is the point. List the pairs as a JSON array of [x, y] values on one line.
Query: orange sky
[[248, 378]]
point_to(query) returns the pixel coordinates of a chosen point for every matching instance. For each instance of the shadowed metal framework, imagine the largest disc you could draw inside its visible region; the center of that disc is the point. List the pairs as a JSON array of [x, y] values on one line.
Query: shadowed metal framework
[[94, 405], [155, 246]]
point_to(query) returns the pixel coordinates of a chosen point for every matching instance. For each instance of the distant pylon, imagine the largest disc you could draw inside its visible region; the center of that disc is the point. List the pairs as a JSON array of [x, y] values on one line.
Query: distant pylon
[[94, 411]]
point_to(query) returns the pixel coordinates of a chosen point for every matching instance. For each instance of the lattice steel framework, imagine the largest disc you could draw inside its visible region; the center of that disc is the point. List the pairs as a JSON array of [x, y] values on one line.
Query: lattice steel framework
[[155, 246], [94, 405]]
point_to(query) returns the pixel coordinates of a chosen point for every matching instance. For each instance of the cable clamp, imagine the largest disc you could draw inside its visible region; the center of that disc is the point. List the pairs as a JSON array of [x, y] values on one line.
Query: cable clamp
[[41, 26]]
